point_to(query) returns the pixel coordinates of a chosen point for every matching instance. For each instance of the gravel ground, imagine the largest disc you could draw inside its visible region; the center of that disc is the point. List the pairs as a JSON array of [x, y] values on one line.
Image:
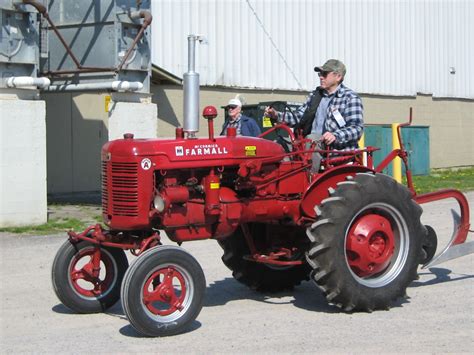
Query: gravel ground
[[437, 317]]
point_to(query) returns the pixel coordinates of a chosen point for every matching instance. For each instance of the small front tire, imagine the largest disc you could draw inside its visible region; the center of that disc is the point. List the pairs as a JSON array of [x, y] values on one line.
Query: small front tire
[[74, 281], [163, 291]]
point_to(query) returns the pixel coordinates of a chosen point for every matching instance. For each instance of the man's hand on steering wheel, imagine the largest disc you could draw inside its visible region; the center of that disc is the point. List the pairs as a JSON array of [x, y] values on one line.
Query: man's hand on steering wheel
[[328, 138]]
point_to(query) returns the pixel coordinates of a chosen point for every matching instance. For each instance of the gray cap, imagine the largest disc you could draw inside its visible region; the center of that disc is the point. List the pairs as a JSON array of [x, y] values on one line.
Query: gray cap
[[332, 65]]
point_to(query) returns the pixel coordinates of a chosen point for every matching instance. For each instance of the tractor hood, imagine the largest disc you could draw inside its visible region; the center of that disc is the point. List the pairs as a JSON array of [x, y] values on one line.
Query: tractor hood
[[182, 153]]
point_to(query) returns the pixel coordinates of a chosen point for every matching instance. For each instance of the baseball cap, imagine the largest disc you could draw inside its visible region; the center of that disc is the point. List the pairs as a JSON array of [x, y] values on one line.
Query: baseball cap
[[234, 102], [332, 65]]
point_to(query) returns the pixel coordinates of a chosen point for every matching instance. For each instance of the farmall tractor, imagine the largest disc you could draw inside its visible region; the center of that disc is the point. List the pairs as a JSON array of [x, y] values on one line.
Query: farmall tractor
[[349, 228]]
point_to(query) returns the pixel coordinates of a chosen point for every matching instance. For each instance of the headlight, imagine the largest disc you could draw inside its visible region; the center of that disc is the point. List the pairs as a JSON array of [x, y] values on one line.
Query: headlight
[[159, 203]]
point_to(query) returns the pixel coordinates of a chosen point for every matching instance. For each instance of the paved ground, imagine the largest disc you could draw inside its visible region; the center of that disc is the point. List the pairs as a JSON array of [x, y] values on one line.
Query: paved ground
[[437, 318]]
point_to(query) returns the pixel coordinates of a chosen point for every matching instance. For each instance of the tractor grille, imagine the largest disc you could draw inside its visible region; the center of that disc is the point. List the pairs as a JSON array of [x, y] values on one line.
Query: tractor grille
[[123, 189], [105, 193]]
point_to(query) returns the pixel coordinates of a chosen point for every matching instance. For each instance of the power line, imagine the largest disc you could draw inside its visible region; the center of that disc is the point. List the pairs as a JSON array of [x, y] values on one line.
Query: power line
[[274, 44]]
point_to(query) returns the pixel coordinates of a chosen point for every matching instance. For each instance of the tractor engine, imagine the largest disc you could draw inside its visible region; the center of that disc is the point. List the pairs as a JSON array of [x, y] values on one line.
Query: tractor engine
[[198, 188]]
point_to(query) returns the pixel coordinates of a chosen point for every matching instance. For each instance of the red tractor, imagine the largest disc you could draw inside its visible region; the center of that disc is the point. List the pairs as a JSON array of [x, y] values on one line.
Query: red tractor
[[351, 229]]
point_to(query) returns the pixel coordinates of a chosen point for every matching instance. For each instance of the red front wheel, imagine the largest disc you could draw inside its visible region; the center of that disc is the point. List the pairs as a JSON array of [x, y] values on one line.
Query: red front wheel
[[86, 277], [163, 291]]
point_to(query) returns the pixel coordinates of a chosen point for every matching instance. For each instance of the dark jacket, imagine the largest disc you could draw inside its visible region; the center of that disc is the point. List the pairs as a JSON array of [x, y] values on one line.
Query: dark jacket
[[248, 127]]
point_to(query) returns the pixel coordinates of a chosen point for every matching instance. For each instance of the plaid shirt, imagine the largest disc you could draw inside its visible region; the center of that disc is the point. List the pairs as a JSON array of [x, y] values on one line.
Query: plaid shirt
[[237, 124], [349, 104]]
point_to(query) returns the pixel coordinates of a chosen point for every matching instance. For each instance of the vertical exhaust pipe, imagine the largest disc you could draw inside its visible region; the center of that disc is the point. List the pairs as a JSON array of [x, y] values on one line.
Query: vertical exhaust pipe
[[191, 90]]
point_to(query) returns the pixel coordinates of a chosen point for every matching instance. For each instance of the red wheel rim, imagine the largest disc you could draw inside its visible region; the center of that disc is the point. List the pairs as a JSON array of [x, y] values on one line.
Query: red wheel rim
[[164, 291], [370, 245], [87, 281]]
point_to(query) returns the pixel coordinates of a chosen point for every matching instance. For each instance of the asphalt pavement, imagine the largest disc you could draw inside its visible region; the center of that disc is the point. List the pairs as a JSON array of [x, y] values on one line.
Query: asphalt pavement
[[437, 317]]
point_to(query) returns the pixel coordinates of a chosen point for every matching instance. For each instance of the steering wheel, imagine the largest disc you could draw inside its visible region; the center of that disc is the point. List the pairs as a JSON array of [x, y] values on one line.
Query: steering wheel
[[283, 141]]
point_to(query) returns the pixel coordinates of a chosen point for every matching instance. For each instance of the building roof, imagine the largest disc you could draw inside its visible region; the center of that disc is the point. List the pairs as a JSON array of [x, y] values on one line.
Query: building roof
[[162, 76]]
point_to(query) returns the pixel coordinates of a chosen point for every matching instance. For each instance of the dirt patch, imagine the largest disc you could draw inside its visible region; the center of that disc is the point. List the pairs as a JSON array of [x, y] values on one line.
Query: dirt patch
[[89, 214]]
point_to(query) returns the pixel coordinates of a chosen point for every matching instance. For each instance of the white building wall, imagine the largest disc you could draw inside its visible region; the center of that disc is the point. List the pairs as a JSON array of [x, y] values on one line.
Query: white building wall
[[22, 159], [397, 47]]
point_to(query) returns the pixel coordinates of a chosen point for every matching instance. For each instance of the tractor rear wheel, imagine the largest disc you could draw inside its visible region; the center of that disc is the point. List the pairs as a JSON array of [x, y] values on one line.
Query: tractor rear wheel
[[258, 276], [82, 288], [163, 291], [366, 243]]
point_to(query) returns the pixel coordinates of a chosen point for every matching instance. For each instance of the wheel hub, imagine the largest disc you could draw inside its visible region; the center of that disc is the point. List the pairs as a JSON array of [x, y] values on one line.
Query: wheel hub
[[164, 292], [85, 277], [370, 245]]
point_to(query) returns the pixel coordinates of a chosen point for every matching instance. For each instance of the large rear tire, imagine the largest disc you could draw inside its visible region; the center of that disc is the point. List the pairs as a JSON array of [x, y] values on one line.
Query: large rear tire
[[163, 291], [366, 243], [258, 276], [73, 276]]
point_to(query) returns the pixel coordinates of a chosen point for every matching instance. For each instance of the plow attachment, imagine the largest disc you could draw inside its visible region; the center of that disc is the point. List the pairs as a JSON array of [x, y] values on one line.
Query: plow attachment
[[457, 245]]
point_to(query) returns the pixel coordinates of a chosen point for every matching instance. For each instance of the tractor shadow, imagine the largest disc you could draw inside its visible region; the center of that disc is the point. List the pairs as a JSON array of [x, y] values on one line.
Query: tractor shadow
[[114, 311], [129, 331], [441, 275], [62, 309], [305, 296], [117, 311]]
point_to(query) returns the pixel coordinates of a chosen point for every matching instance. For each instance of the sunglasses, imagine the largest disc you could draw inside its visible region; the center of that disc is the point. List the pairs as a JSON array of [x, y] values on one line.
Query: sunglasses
[[231, 107], [323, 74]]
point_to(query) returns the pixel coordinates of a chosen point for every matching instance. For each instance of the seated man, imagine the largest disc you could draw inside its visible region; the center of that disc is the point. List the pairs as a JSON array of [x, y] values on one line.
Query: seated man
[[332, 114], [245, 126]]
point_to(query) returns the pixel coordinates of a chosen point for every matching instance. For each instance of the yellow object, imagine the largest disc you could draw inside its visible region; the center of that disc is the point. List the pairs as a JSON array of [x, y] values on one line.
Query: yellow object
[[214, 185], [267, 122], [362, 146], [107, 100], [251, 150], [362, 141], [397, 162]]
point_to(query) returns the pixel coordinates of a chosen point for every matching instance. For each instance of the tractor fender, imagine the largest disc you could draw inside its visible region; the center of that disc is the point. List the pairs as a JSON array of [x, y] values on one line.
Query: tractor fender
[[318, 190]]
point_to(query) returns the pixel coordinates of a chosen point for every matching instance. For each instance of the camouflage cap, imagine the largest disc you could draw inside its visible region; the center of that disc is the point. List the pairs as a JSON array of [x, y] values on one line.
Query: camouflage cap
[[332, 65]]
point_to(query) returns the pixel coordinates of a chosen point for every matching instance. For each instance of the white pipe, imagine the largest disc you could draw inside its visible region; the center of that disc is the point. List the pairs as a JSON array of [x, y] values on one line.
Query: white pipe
[[25, 81], [114, 85], [127, 85]]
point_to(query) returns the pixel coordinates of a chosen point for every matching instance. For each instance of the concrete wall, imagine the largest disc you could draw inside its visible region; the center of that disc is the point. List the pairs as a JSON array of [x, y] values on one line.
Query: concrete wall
[[451, 124], [451, 121], [22, 159], [132, 113]]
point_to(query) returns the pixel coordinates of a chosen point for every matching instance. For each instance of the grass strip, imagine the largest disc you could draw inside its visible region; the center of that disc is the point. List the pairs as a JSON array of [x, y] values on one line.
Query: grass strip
[[50, 227], [460, 179]]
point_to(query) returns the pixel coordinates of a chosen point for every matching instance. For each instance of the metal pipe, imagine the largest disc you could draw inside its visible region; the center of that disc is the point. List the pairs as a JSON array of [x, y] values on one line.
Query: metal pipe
[[191, 52], [42, 10], [81, 70], [114, 86], [147, 18], [25, 81], [191, 91]]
